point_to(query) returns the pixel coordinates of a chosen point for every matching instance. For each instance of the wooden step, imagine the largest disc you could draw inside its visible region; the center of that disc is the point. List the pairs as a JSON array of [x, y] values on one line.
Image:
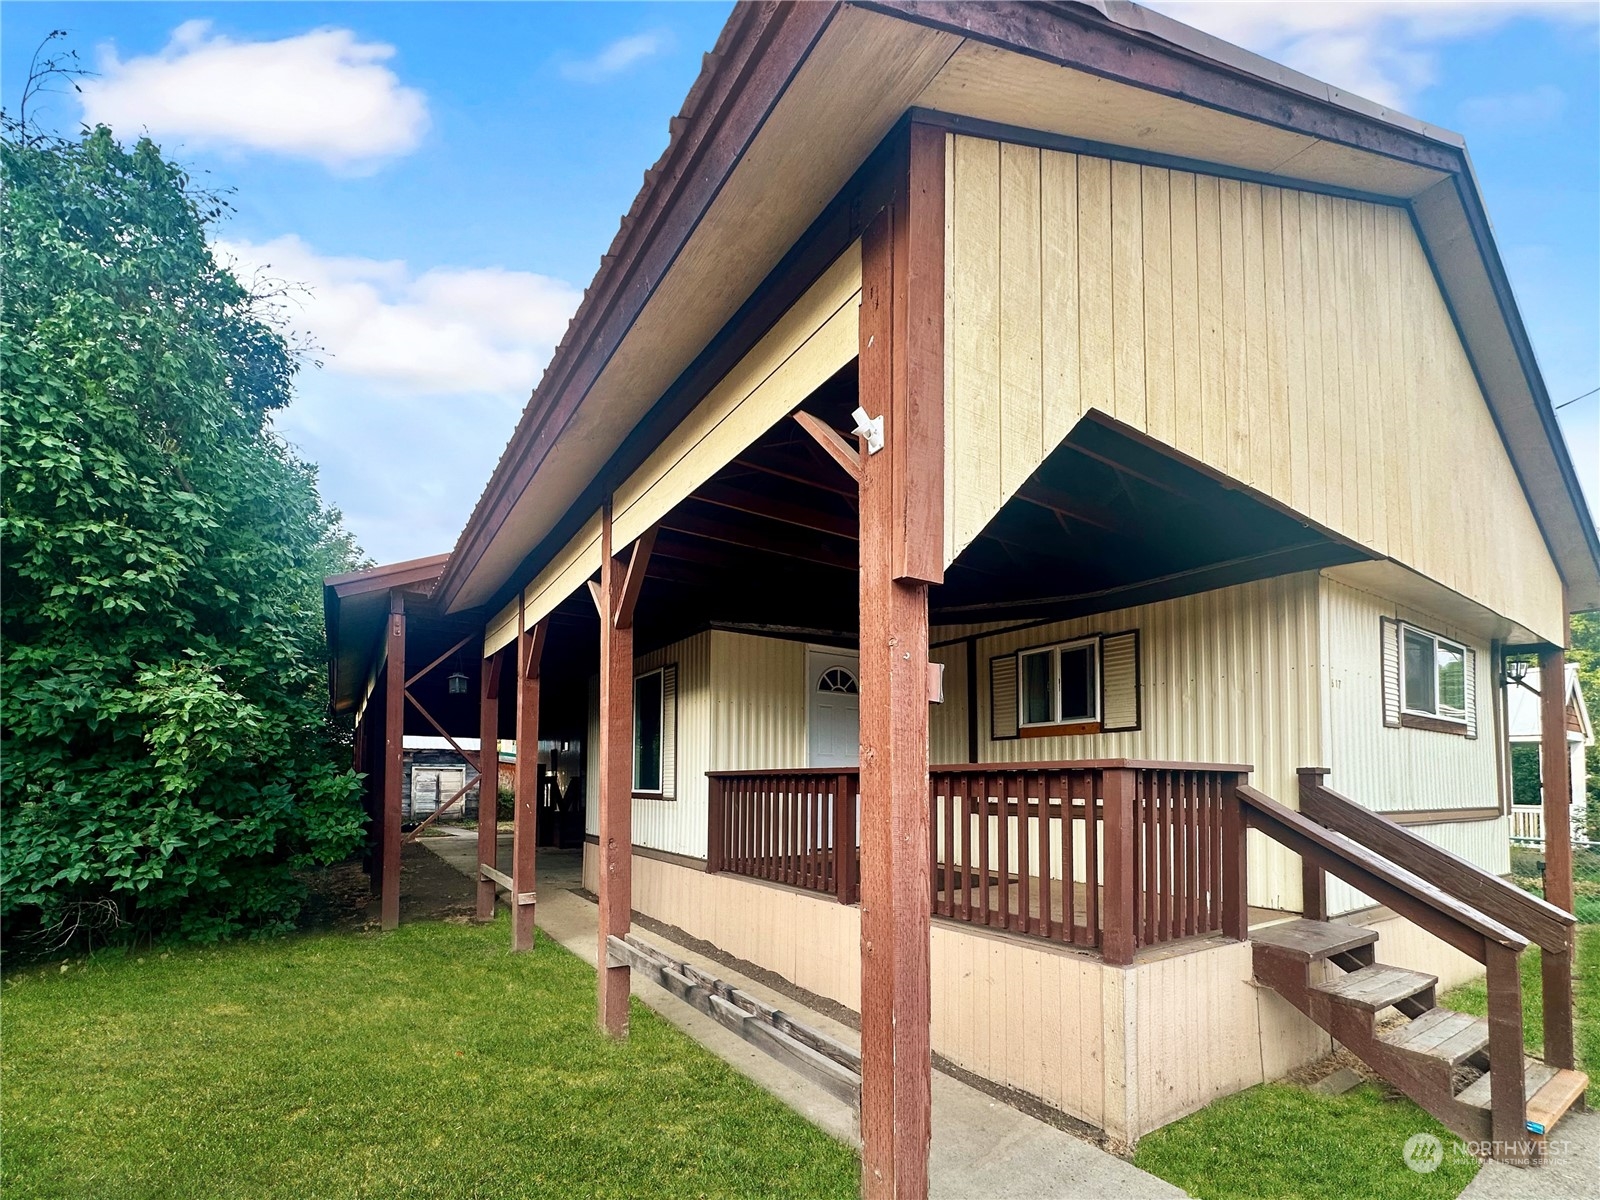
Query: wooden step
[[1312, 941], [1551, 1102], [1535, 1075], [1376, 987], [1439, 1033]]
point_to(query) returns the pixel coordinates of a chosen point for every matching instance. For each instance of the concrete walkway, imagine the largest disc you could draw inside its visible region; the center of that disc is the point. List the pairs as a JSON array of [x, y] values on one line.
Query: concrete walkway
[[981, 1147], [1571, 1170]]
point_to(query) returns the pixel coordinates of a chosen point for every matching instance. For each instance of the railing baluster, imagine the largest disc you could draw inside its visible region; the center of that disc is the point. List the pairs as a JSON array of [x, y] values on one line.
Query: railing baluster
[[1070, 787], [1047, 903], [983, 845], [1094, 794]]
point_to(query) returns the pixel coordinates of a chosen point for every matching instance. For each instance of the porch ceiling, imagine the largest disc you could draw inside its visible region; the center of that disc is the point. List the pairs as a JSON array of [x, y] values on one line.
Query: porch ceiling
[[1109, 520]]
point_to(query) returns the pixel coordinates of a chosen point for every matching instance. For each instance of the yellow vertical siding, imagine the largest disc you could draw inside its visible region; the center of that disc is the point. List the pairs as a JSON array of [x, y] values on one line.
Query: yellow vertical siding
[[758, 716], [1403, 769], [1296, 342], [678, 825], [1226, 676]]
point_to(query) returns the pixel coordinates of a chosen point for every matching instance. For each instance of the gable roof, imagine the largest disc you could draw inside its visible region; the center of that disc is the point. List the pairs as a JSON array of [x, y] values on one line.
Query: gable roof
[[354, 608], [793, 99]]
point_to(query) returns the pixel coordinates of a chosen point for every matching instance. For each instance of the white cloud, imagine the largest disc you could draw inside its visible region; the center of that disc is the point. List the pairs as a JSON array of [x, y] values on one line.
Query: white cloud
[[441, 332], [1386, 52], [1537, 106], [617, 57], [424, 375], [323, 95]]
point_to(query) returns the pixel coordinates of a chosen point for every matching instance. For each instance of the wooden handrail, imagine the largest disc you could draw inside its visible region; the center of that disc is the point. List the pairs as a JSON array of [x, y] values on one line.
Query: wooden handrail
[[1538, 920], [1070, 764], [1413, 897], [1541, 922]]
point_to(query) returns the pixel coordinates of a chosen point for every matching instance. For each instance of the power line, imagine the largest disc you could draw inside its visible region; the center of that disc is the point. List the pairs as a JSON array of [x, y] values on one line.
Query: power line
[[1575, 399]]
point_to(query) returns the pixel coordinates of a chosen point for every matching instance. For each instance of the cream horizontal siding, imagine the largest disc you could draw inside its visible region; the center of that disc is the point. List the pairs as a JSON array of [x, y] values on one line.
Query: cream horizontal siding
[[1296, 342], [1226, 676], [741, 706], [679, 825], [947, 722], [1403, 769], [758, 713]]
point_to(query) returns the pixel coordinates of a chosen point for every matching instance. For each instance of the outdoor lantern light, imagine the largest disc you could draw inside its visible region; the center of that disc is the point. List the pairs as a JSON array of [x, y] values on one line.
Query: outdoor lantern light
[[1517, 671], [458, 683]]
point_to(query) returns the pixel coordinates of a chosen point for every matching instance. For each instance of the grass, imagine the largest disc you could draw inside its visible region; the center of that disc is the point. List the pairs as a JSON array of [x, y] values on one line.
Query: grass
[[1474, 998], [1281, 1141], [428, 1062]]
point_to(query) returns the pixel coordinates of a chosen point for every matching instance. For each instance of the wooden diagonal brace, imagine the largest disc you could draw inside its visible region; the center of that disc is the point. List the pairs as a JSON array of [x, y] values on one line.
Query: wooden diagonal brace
[[638, 563], [535, 638], [832, 441], [444, 808], [438, 660], [633, 581], [472, 759]]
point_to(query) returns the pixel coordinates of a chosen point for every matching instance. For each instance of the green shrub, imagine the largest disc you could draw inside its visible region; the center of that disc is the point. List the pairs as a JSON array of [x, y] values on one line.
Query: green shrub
[[169, 761]]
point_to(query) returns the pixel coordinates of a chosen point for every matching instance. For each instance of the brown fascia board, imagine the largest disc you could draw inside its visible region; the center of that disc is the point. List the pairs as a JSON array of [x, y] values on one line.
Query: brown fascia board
[[759, 51], [756, 55], [1129, 44], [409, 574]]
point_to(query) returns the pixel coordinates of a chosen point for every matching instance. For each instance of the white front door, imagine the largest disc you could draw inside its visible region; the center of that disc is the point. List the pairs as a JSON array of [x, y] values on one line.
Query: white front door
[[834, 708]]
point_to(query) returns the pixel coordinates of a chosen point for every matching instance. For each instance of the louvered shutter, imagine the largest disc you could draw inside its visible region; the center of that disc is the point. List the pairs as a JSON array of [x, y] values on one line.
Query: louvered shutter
[[1119, 682], [1390, 632], [1469, 685], [669, 732], [1003, 697]]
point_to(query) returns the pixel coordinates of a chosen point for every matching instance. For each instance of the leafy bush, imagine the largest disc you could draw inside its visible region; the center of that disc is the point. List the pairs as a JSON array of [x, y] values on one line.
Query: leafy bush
[[505, 804], [169, 762]]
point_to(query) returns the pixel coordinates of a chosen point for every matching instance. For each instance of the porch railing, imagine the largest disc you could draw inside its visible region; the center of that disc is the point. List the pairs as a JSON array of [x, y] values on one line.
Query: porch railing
[[781, 826], [1113, 854]]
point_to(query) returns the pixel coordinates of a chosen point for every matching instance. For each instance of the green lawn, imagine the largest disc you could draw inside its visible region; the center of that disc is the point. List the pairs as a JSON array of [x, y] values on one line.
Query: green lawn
[[426, 1062], [1473, 998], [1281, 1142], [1285, 1143]]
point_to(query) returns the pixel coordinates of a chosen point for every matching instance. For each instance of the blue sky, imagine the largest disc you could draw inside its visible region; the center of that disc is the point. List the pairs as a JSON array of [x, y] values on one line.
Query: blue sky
[[443, 178]]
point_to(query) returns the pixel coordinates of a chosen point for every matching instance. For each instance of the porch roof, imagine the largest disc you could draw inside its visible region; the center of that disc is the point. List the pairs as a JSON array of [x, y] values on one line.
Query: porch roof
[[792, 101]]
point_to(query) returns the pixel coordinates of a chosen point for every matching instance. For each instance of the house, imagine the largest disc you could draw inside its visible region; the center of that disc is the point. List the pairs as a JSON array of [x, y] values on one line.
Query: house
[[1523, 726], [1028, 523]]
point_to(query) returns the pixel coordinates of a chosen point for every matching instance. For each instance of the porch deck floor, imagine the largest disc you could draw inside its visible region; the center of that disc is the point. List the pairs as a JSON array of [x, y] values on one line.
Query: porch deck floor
[[981, 1147]]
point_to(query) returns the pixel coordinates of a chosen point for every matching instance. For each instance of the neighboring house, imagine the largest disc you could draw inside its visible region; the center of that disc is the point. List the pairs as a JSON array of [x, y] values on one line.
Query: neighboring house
[[1204, 476], [1522, 720]]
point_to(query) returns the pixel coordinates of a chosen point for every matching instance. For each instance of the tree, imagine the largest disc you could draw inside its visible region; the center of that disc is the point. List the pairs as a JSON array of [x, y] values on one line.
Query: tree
[[169, 762]]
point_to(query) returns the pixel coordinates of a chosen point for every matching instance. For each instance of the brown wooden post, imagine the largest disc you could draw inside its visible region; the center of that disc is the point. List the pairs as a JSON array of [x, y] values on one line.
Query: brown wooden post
[[488, 781], [716, 820], [1555, 777], [1313, 879], [901, 553], [620, 583], [1507, 1105], [394, 728], [1556, 794], [525, 818], [1235, 882], [1556, 978], [1121, 904]]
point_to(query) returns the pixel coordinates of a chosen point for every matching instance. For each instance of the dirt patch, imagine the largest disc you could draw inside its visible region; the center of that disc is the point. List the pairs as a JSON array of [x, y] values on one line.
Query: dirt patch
[[1325, 1066], [341, 897]]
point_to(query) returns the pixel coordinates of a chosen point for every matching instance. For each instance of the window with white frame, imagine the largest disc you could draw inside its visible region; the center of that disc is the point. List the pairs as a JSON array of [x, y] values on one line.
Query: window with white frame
[[648, 724], [1060, 685], [1434, 675]]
